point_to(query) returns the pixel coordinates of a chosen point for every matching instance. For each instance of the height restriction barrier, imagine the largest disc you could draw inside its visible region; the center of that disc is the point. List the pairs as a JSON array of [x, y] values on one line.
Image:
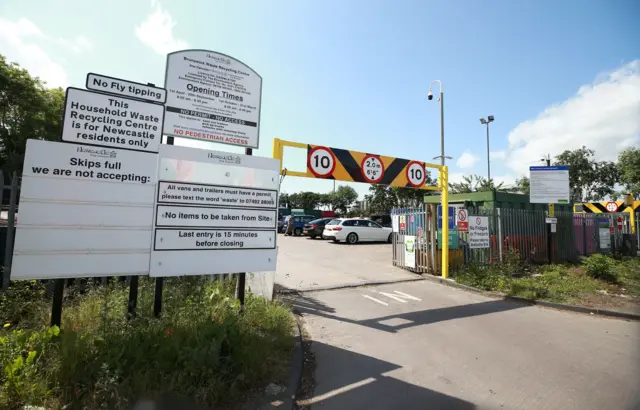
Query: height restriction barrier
[[354, 166]]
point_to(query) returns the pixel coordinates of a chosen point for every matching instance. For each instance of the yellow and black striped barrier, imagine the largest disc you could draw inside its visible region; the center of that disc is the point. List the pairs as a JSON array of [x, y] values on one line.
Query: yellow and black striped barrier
[[354, 166], [611, 207]]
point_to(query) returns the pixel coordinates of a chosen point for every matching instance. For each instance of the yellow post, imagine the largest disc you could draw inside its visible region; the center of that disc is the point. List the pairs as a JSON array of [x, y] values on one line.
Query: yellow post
[[277, 152], [444, 185]]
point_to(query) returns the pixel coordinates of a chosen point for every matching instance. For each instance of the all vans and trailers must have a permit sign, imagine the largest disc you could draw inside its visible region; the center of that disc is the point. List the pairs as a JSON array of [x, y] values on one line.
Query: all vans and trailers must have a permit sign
[[110, 121], [212, 97]]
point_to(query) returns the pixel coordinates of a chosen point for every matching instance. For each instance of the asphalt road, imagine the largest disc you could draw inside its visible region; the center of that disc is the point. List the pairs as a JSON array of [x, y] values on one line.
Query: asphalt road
[[421, 345], [307, 264]]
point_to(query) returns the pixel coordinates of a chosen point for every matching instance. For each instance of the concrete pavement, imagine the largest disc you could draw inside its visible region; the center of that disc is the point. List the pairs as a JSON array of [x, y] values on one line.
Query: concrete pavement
[[422, 345], [307, 264]]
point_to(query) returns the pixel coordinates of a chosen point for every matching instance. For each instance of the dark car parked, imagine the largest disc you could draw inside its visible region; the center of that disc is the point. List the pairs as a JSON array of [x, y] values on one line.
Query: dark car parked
[[295, 223], [315, 227]]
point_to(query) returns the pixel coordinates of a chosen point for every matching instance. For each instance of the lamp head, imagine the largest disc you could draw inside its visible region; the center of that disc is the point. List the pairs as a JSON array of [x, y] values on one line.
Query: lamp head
[[483, 121], [491, 118]]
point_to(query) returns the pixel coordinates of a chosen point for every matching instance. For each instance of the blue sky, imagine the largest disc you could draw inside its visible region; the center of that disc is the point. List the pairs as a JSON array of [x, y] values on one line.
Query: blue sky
[[354, 74]]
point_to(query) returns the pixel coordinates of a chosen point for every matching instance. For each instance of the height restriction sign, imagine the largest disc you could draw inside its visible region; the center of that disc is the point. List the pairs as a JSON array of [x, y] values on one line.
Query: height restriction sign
[[372, 168]]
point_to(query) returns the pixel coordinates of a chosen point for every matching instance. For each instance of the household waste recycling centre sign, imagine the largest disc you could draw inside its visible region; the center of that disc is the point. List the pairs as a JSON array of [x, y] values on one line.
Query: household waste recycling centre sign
[[110, 200], [212, 97]]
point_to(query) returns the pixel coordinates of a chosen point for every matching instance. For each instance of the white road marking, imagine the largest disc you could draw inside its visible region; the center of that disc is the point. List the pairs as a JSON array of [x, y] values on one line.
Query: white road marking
[[394, 297], [407, 296], [340, 390], [375, 300]]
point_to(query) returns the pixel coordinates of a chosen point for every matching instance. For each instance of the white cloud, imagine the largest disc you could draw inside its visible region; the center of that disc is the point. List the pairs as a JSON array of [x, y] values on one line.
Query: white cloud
[[467, 160], [78, 44], [603, 116], [156, 32], [19, 43], [498, 155]]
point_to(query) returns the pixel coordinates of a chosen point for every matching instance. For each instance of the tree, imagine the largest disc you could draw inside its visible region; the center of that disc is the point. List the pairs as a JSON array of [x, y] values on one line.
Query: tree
[[343, 198], [308, 200], [589, 180], [284, 200], [475, 183], [629, 168], [325, 200], [522, 186], [27, 110], [381, 199]]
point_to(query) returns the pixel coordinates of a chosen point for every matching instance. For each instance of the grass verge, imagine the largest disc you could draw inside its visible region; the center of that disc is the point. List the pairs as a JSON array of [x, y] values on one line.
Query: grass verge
[[201, 347], [598, 281]]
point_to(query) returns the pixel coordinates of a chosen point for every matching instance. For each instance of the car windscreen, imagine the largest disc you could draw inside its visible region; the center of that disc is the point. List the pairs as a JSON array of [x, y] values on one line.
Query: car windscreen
[[334, 222]]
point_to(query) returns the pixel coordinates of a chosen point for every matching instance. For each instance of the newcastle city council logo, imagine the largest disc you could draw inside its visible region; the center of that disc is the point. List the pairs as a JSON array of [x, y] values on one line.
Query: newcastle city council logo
[[409, 245]]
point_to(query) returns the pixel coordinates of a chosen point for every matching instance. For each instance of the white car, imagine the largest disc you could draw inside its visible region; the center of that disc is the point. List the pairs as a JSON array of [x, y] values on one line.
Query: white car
[[354, 230]]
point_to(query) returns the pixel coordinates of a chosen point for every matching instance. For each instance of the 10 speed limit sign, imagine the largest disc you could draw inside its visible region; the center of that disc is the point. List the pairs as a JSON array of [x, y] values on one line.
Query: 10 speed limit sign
[[321, 162], [416, 174]]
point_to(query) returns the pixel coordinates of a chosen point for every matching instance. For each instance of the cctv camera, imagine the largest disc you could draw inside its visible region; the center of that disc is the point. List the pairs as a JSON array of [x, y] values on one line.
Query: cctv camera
[[430, 96]]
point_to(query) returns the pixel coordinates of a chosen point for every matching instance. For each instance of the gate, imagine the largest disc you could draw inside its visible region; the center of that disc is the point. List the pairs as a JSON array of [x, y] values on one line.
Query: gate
[[414, 239]]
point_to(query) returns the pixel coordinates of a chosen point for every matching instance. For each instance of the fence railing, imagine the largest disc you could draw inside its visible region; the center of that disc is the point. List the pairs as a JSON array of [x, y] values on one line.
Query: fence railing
[[511, 231]]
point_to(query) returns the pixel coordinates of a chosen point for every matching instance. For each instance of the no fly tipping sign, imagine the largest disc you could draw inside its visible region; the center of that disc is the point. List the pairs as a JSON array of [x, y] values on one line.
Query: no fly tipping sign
[[111, 200], [346, 165]]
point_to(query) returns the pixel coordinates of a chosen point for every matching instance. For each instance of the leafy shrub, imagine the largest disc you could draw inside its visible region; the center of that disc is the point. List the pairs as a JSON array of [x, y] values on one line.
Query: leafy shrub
[[602, 267], [201, 347]]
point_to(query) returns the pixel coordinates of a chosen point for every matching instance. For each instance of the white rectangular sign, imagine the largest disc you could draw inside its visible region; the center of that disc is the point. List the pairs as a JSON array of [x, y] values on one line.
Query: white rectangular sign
[[211, 200], [410, 251], [212, 97], [126, 88], [551, 220], [109, 121], [213, 239], [192, 216], [549, 185], [196, 194], [84, 211], [479, 232]]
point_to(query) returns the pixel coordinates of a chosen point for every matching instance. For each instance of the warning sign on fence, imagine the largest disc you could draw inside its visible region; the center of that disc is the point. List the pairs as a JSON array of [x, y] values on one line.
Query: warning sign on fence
[[479, 232]]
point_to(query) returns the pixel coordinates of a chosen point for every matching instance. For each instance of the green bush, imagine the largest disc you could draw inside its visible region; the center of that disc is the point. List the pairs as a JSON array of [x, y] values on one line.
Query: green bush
[[602, 267], [201, 347]]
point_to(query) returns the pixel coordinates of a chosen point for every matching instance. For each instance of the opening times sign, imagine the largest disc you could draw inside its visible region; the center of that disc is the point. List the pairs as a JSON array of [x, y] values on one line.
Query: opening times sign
[[212, 97]]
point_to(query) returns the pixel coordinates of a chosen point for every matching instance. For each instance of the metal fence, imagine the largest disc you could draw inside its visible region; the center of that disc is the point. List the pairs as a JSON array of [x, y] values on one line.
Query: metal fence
[[521, 232]]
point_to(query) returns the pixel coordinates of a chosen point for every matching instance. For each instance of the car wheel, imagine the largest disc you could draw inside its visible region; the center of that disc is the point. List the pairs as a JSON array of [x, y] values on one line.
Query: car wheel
[[312, 236], [297, 232], [352, 238], [390, 239]]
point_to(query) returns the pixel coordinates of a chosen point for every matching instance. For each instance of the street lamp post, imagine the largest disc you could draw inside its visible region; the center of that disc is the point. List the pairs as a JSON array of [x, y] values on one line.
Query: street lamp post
[[443, 181], [441, 101], [486, 122]]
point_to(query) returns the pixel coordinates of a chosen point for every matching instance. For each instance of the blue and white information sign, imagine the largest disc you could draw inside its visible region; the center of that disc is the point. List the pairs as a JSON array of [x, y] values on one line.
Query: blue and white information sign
[[549, 185], [452, 217]]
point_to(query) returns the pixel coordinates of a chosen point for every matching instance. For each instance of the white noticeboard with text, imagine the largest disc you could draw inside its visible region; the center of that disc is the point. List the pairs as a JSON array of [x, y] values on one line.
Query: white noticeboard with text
[[549, 185], [215, 213], [410, 251], [110, 121], [85, 211], [212, 97], [479, 232]]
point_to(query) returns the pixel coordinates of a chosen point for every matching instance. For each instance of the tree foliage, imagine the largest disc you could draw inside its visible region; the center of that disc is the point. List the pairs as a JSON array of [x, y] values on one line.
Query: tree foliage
[[343, 197], [27, 110], [629, 167], [589, 180], [477, 183]]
